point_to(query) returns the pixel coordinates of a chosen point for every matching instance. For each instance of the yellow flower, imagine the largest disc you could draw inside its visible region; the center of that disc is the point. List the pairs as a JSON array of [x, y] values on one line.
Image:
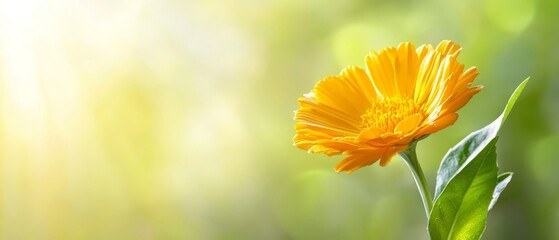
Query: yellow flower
[[403, 95]]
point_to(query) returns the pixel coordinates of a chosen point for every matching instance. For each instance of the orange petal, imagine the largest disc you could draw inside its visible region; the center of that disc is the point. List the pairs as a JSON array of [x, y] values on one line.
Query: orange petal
[[408, 124], [385, 159], [370, 133], [323, 149], [467, 78], [439, 124], [341, 146], [454, 103], [356, 161]]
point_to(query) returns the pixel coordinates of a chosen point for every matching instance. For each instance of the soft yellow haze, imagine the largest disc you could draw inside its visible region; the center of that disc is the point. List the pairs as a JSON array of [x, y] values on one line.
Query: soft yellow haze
[[173, 119]]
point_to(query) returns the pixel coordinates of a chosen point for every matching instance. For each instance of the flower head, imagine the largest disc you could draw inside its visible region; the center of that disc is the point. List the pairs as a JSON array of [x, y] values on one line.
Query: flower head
[[371, 114]]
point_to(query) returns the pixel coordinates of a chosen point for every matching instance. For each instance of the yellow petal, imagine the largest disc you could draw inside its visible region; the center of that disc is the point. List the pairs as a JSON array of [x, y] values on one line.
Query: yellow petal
[[423, 50], [427, 74], [338, 94], [405, 69], [358, 79], [315, 113], [447, 47], [381, 70]]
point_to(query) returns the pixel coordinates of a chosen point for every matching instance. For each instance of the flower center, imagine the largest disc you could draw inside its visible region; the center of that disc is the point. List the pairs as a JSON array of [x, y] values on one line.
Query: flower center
[[388, 112]]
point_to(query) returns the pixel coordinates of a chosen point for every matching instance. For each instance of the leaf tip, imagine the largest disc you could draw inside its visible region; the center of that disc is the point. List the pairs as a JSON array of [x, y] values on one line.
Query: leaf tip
[[513, 99]]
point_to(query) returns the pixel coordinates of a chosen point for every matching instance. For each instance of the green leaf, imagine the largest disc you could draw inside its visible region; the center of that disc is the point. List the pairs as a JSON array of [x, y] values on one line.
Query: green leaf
[[460, 211], [513, 98], [467, 185], [459, 155], [502, 182]]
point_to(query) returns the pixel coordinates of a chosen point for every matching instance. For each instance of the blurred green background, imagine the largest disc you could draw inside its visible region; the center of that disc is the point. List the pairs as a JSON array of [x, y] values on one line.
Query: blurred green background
[[150, 119]]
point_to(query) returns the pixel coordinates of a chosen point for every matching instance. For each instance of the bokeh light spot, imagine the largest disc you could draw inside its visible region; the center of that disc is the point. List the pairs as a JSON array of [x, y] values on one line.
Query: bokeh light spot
[[511, 15], [543, 160], [351, 41]]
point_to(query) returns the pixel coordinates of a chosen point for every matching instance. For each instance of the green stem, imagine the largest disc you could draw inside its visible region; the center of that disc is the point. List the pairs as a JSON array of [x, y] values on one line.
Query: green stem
[[410, 157]]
